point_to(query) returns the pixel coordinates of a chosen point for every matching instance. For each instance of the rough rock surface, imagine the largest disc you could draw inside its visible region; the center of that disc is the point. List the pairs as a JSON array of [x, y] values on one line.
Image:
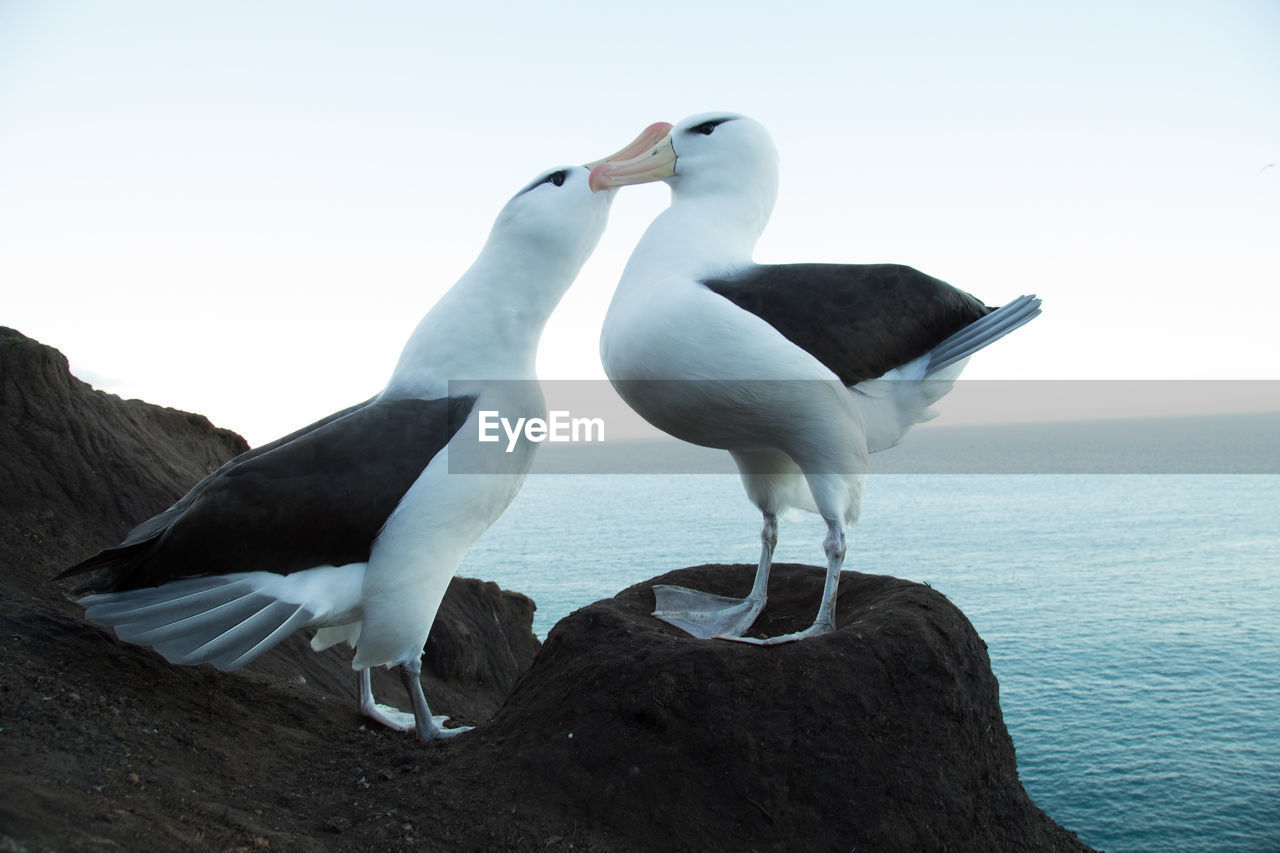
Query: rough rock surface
[[886, 735], [625, 734]]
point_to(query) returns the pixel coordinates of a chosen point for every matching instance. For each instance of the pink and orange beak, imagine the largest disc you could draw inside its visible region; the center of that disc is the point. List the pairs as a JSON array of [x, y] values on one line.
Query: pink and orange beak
[[650, 157]]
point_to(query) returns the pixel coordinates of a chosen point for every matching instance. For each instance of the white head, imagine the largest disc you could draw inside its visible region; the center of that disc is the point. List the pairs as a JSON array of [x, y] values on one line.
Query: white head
[[706, 153], [559, 217], [487, 325], [722, 156], [555, 220]]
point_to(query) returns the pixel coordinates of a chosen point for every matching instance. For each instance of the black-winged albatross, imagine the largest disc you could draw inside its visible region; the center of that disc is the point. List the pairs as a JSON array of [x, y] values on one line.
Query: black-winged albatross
[[798, 370], [355, 524]]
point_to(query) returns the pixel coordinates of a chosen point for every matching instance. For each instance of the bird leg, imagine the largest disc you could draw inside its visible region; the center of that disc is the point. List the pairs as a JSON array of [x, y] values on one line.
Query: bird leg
[[429, 727], [392, 718], [706, 615], [834, 546]]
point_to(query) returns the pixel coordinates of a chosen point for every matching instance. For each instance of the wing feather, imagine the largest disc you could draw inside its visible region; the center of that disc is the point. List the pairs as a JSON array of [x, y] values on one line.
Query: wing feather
[[860, 320], [317, 497]]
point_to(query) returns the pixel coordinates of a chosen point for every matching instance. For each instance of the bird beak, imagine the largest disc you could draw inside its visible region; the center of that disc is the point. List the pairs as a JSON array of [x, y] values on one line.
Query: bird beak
[[650, 157], [648, 137]]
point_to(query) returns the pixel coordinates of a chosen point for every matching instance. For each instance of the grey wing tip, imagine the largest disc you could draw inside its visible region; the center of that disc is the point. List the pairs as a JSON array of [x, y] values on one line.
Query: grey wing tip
[[984, 332]]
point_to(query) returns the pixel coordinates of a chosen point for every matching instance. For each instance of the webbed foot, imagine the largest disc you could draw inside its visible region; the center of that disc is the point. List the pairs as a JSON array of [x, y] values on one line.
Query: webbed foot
[[704, 614], [392, 718], [402, 721]]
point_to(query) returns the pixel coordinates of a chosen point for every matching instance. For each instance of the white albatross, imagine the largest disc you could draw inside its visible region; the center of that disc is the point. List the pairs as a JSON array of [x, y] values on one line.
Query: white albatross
[[354, 525], [798, 370]]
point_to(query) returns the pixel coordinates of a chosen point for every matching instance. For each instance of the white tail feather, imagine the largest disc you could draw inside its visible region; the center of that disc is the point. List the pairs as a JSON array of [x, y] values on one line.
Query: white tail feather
[[228, 620]]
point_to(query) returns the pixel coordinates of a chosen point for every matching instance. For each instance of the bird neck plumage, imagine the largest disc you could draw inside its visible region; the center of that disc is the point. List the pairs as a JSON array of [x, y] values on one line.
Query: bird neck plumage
[[705, 229], [513, 289], [487, 326]]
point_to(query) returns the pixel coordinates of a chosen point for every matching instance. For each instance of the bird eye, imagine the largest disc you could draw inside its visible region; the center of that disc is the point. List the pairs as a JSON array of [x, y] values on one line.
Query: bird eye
[[557, 178], [707, 128]]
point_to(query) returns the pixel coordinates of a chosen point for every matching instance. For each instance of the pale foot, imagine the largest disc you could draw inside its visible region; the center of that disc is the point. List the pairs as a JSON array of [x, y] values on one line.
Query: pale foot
[[704, 614], [438, 729], [392, 718], [818, 629]]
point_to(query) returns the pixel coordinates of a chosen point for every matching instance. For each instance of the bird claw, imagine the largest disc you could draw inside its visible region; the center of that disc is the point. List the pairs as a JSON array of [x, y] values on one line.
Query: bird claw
[[402, 721], [438, 729], [817, 629], [751, 641]]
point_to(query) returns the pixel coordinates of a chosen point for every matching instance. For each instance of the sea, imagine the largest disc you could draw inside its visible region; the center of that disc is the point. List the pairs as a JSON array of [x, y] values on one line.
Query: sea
[[1132, 619]]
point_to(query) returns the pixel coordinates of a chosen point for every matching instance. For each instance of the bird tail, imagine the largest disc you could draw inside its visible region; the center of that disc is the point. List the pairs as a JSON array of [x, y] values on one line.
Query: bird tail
[[980, 333], [900, 399], [225, 620]]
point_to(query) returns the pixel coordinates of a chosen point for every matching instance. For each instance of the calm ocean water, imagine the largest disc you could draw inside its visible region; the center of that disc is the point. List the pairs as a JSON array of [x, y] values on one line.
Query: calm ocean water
[[1133, 621]]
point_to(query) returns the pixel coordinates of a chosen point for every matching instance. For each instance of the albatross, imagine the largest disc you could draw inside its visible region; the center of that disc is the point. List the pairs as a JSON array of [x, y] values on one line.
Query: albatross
[[798, 370], [354, 525]]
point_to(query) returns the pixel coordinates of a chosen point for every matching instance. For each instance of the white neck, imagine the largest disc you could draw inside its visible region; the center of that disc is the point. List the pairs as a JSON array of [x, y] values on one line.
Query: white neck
[[487, 326], [707, 230]]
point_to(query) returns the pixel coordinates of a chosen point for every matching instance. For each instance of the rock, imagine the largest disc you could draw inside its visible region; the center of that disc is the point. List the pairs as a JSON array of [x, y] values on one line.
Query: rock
[[886, 735], [80, 467]]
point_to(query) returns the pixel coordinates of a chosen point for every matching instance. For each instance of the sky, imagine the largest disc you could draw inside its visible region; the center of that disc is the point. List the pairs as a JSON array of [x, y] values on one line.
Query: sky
[[242, 209]]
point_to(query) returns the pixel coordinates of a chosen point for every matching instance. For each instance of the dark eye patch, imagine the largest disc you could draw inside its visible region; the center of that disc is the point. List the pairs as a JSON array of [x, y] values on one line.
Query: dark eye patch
[[708, 127], [556, 178]]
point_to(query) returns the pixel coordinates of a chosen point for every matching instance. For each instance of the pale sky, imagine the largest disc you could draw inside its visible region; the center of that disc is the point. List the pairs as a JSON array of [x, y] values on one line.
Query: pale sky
[[243, 208]]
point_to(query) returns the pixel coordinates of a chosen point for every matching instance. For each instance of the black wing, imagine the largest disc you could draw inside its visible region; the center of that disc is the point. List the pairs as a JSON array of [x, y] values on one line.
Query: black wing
[[860, 320], [157, 524], [316, 497]]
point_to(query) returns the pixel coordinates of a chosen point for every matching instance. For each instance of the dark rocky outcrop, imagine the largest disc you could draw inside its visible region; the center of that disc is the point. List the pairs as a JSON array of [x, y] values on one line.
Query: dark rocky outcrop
[[886, 735], [623, 734], [79, 467]]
